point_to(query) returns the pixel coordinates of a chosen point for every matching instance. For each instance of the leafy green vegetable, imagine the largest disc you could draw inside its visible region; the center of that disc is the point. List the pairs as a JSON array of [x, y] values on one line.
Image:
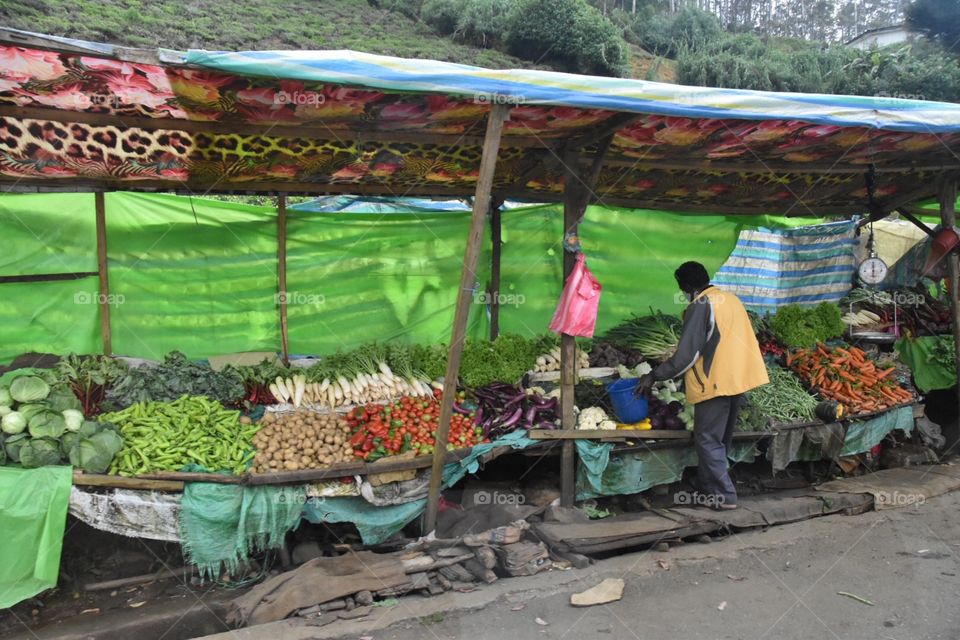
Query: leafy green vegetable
[[30, 410], [47, 424], [505, 359], [62, 399], [175, 377], [797, 326], [29, 389], [73, 419], [4, 410], [96, 453], [656, 336], [5, 398], [13, 423], [39, 452], [943, 352], [13, 444], [88, 378]]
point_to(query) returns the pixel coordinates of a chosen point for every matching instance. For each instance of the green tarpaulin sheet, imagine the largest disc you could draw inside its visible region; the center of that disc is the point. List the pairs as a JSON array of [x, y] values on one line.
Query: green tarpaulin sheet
[[200, 275], [928, 373], [378, 524], [603, 472], [33, 514]]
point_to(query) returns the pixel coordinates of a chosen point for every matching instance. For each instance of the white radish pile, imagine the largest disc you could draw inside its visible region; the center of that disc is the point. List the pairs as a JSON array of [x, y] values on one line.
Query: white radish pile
[[862, 318], [339, 391], [551, 361]]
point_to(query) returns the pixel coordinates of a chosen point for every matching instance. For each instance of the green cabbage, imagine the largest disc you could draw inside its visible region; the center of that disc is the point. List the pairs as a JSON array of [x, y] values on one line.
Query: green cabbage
[[5, 398], [13, 423], [4, 410], [13, 444], [30, 410], [73, 418], [62, 399], [95, 454], [47, 425], [29, 389], [39, 452], [68, 442]]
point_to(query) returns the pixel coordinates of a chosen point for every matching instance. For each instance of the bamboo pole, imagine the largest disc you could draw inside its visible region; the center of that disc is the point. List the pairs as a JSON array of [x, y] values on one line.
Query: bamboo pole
[[481, 204], [103, 298], [282, 275], [948, 218]]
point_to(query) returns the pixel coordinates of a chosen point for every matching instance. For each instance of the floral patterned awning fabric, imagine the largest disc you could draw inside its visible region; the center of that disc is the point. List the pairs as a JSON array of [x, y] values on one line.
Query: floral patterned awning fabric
[[69, 119]]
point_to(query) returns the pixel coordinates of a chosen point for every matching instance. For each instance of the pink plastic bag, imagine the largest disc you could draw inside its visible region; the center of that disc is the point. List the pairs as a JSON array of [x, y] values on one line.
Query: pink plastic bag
[[576, 315]]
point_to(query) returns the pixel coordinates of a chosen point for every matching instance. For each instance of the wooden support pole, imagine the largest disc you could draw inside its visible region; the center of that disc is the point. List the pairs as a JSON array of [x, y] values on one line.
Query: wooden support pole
[[577, 194], [104, 289], [495, 241], [282, 275], [568, 355], [481, 204], [948, 218]]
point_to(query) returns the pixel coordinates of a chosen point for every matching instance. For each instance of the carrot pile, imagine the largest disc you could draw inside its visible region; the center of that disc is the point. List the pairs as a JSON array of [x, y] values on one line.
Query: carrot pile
[[848, 377]]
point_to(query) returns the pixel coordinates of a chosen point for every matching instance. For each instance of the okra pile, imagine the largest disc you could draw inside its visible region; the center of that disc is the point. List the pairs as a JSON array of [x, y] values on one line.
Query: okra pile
[[168, 436]]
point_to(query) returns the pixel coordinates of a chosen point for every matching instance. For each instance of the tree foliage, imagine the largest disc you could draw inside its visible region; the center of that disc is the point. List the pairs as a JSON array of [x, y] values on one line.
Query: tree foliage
[[568, 32], [938, 18]]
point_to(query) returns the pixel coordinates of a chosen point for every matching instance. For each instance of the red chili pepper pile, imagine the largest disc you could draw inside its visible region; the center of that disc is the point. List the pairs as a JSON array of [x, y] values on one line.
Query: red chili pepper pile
[[407, 424]]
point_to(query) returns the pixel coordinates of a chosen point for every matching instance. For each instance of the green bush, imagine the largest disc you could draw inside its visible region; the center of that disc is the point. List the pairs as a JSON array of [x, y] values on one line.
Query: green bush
[[442, 15], [569, 33], [409, 8], [483, 22]]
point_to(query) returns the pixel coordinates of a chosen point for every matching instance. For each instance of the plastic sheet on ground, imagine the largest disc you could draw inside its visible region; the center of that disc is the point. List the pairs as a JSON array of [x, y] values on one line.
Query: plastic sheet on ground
[[33, 513], [134, 514]]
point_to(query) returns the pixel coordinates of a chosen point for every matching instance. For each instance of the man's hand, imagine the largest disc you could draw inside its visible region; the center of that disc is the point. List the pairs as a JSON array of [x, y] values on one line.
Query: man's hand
[[644, 385]]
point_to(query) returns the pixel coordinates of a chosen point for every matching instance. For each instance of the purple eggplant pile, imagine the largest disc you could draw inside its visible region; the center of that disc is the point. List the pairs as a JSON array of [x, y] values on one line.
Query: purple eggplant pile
[[502, 408]]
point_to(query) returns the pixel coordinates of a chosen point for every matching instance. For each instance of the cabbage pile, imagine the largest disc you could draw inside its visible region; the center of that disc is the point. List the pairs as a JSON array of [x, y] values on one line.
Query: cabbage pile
[[40, 426]]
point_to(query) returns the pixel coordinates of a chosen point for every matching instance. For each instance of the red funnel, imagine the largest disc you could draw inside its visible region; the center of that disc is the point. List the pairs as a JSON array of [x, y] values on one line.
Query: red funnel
[[944, 241]]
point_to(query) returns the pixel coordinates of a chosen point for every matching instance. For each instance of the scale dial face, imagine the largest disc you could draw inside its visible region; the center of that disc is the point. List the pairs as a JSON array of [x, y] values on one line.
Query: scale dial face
[[873, 270]]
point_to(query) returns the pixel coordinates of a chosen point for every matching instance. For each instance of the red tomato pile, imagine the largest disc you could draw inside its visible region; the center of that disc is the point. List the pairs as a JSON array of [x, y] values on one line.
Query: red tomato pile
[[407, 424]]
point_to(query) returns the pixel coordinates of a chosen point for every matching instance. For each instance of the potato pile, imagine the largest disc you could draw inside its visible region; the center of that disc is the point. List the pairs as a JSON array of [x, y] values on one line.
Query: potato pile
[[301, 440]]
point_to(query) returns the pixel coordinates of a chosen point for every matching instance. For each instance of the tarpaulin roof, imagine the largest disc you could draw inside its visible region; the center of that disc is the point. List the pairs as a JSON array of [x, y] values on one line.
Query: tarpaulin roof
[[75, 115]]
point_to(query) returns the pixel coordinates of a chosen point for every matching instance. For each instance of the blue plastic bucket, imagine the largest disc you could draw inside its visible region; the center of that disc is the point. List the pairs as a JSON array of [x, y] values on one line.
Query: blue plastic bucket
[[629, 408]]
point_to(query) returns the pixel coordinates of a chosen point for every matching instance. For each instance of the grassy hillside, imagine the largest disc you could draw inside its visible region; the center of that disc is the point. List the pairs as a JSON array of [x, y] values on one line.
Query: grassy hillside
[[245, 24]]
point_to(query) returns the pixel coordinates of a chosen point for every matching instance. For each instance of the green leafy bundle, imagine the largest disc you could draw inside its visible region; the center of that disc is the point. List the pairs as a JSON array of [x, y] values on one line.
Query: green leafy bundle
[[656, 336], [798, 326], [175, 377]]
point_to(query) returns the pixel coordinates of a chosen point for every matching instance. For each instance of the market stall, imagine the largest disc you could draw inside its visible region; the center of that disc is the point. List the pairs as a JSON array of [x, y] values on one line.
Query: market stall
[[201, 121]]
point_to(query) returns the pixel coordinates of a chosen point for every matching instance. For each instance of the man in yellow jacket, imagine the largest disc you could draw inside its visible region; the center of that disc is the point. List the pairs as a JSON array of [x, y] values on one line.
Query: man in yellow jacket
[[720, 360]]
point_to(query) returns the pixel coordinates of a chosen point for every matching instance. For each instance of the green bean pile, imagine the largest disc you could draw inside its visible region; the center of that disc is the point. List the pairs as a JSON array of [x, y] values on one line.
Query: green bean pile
[[167, 436], [784, 399]]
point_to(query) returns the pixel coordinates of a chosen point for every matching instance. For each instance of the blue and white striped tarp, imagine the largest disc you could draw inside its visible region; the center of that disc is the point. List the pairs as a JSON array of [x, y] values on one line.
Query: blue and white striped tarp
[[807, 265]]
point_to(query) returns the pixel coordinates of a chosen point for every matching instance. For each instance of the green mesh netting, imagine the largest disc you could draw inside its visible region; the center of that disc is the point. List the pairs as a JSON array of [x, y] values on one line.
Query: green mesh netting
[[222, 524]]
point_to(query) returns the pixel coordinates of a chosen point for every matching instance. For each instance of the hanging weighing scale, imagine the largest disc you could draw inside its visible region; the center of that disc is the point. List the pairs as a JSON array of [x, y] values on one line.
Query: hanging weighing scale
[[873, 270]]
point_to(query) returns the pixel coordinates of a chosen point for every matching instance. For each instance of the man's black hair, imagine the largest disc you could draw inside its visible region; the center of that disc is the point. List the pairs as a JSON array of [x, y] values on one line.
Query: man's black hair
[[692, 276]]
